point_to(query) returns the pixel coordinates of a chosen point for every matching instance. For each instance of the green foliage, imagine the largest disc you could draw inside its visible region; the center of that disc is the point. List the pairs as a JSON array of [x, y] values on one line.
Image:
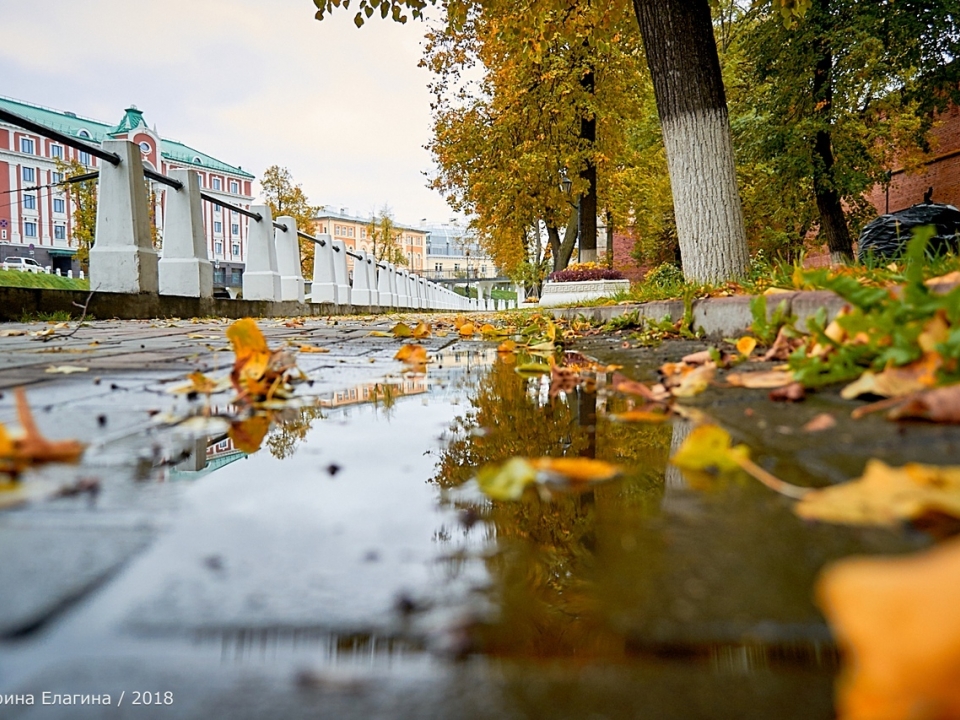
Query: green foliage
[[385, 236], [664, 275], [766, 329], [83, 197], [15, 278]]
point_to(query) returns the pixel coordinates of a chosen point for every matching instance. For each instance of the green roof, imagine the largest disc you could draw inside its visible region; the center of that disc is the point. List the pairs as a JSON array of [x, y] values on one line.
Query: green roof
[[96, 132]]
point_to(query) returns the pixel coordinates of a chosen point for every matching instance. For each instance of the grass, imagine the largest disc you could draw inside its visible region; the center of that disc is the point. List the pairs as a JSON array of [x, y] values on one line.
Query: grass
[[15, 278]]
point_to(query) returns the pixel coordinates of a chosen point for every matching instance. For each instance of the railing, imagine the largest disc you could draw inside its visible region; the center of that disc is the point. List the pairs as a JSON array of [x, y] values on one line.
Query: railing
[[123, 258]]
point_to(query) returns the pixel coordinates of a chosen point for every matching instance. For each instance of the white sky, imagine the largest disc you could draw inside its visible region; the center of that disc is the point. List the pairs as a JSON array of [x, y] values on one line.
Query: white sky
[[250, 82]]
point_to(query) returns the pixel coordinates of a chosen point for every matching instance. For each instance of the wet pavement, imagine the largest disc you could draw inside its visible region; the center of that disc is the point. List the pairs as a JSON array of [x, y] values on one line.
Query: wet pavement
[[351, 568]]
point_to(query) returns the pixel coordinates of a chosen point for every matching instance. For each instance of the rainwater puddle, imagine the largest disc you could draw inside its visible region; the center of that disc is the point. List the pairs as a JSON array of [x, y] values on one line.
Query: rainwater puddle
[[352, 565]]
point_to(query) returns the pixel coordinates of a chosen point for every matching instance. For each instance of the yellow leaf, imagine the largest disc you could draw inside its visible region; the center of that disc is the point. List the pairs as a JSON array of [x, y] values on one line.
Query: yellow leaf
[[896, 620], [247, 435], [422, 330], [508, 481], [312, 349], [885, 495], [766, 379], [488, 330], [709, 447], [380, 333], [746, 345], [401, 330], [507, 346], [246, 338], [578, 469], [466, 330], [694, 381], [533, 368], [412, 355], [896, 381], [640, 416]]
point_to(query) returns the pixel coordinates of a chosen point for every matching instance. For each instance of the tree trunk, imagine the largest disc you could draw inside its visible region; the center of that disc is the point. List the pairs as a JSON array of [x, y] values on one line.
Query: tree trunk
[[685, 68], [609, 239], [833, 222], [588, 203], [569, 242]]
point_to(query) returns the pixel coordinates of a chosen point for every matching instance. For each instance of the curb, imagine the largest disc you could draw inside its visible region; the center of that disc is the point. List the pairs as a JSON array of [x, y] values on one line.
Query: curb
[[717, 317]]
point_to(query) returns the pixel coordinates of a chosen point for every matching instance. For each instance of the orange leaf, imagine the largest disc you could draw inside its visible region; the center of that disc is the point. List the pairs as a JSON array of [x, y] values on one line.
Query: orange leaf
[[31, 449], [640, 416], [577, 469], [422, 330], [507, 346], [466, 330], [746, 345], [767, 379], [412, 355], [247, 435], [312, 349], [897, 621]]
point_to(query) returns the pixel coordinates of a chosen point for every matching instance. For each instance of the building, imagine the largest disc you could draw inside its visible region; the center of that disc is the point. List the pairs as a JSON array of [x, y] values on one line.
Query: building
[[37, 219], [453, 252], [355, 234]]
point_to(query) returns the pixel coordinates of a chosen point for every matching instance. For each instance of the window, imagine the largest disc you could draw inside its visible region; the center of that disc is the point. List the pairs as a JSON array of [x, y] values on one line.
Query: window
[[84, 157], [30, 229], [456, 267], [237, 276], [234, 187], [218, 228], [215, 183], [235, 229], [483, 269], [218, 248], [83, 133], [56, 177], [59, 205], [145, 148], [217, 208], [56, 151], [438, 267], [29, 174], [27, 145], [29, 202], [60, 232], [219, 276], [236, 249]]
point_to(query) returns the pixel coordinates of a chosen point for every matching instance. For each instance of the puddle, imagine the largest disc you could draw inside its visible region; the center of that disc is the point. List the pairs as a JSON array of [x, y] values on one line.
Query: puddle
[[356, 537]]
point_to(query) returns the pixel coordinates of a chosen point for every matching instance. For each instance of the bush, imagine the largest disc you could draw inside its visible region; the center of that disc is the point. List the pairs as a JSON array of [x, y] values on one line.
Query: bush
[[586, 271], [664, 275]]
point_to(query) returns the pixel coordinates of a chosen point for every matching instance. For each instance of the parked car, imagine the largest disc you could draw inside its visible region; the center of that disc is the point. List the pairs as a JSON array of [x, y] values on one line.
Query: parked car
[[23, 264]]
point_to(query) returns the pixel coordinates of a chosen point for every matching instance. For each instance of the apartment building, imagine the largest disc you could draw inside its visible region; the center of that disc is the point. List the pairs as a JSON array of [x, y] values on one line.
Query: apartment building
[[453, 252], [36, 215], [355, 233]]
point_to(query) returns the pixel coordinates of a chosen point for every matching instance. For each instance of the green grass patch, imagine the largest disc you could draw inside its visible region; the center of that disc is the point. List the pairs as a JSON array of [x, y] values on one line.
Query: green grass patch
[[15, 278]]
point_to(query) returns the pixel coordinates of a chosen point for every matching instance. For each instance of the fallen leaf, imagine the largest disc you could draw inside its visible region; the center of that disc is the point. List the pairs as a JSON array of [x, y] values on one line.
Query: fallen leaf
[[794, 392], [380, 333], [12, 333], [200, 383], [508, 481], [710, 448], [507, 346], [763, 379], [312, 349], [950, 278], [19, 453], [562, 379], [632, 387], [579, 470], [258, 374], [247, 435], [819, 423], [896, 620], [697, 358], [783, 346], [885, 495], [422, 330], [532, 368], [695, 381], [940, 405], [414, 355], [640, 416], [467, 329], [746, 345], [65, 369], [896, 381], [401, 330]]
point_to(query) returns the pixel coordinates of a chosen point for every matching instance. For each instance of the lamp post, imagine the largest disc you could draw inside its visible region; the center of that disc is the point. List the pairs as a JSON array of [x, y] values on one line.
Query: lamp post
[[566, 184]]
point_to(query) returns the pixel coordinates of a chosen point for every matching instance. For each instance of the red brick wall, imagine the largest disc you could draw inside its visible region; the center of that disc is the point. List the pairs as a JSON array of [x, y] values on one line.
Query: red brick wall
[[942, 171], [622, 247]]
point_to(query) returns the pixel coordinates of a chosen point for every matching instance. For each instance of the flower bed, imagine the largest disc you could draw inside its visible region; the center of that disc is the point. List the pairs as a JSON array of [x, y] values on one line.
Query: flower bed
[[580, 283]]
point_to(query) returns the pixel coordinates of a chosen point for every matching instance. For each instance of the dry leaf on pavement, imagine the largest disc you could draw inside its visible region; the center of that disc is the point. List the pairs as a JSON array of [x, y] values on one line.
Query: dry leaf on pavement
[[896, 620], [746, 345], [897, 381], [794, 392], [31, 448], [886, 495], [819, 423], [764, 379], [412, 355], [940, 405], [312, 349]]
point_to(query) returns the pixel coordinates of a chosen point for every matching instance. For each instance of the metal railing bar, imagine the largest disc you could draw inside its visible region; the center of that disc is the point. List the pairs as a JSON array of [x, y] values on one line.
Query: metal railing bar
[[27, 124], [280, 226], [163, 179], [80, 178], [236, 208], [311, 238]]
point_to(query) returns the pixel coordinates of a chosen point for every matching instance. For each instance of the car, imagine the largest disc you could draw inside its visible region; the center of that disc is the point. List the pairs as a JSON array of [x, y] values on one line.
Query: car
[[23, 264]]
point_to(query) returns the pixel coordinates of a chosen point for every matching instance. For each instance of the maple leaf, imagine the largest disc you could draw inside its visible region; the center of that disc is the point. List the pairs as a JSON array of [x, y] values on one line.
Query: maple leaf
[[896, 620]]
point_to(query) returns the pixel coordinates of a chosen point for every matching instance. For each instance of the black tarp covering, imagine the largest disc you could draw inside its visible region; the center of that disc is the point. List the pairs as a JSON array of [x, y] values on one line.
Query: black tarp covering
[[887, 236]]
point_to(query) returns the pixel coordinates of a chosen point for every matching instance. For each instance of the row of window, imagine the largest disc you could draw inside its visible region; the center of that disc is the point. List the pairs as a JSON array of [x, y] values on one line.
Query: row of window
[[218, 248], [28, 147], [344, 231], [30, 231], [218, 228], [30, 203]]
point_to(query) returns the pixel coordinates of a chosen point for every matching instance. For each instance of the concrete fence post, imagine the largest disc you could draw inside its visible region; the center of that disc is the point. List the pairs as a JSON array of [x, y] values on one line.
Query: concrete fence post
[[324, 288], [184, 267], [383, 286], [261, 279], [70, 273], [288, 259], [123, 259], [340, 275], [373, 279], [360, 296], [403, 293]]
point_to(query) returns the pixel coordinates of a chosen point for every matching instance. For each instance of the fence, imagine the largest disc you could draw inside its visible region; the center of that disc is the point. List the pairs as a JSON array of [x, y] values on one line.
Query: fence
[[124, 260]]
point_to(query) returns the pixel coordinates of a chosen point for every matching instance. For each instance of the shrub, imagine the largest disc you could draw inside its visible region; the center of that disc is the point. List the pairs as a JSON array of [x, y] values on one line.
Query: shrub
[[664, 275], [586, 271]]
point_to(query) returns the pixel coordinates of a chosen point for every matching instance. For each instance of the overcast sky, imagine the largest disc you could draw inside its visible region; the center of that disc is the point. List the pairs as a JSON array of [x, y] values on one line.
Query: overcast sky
[[250, 82]]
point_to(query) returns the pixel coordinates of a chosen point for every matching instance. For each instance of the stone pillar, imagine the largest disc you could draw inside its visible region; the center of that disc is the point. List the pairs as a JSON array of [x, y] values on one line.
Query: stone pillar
[[373, 275], [521, 291], [340, 276], [394, 281], [403, 292], [123, 259], [185, 269], [324, 287], [288, 260], [360, 295], [261, 279]]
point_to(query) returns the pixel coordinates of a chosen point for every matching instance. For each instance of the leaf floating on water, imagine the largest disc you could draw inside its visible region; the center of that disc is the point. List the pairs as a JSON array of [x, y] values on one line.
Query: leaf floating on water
[[508, 481], [65, 369], [19, 453], [247, 435], [885, 495], [632, 387], [507, 346], [640, 416], [695, 381], [413, 355], [896, 620], [766, 380], [710, 448], [577, 470], [532, 368]]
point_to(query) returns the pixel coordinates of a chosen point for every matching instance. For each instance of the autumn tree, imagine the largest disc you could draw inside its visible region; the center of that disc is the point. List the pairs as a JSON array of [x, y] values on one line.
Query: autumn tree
[[385, 236], [286, 198], [83, 198]]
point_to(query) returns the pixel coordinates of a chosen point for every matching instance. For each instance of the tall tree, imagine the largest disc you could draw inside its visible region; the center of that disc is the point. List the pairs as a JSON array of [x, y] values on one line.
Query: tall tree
[[286, 198], [83, 198], [385, 236]]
